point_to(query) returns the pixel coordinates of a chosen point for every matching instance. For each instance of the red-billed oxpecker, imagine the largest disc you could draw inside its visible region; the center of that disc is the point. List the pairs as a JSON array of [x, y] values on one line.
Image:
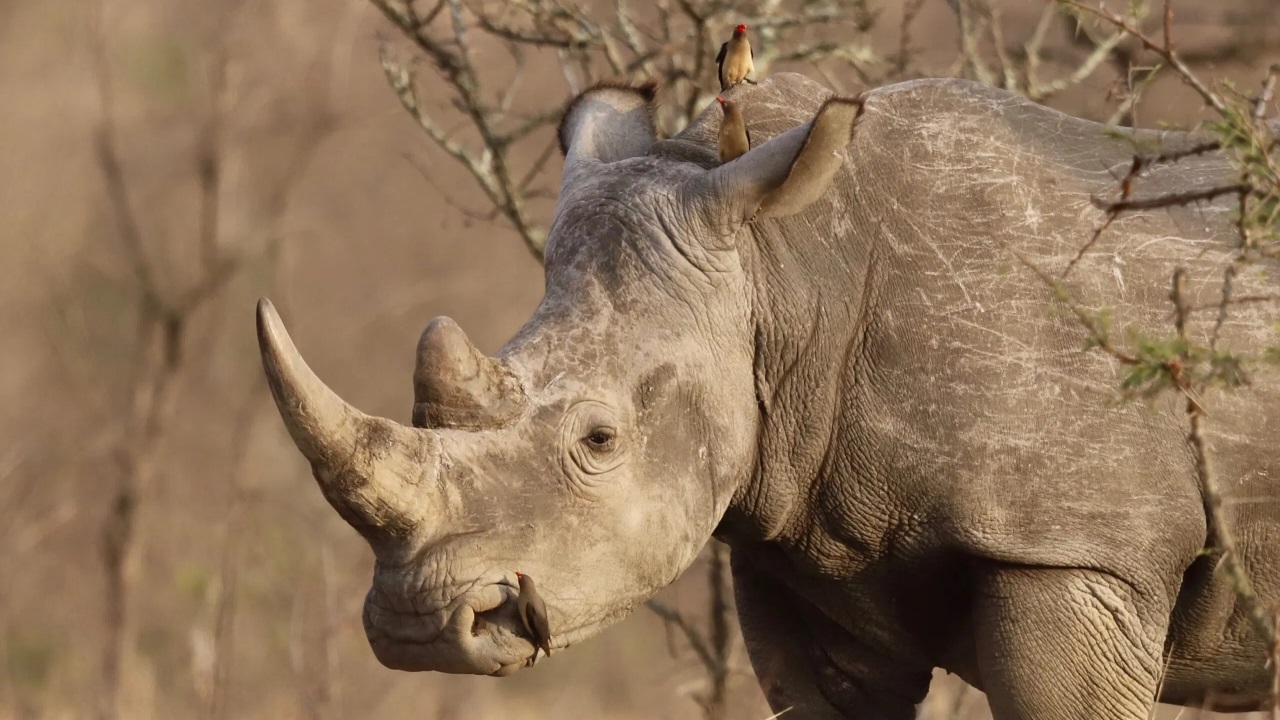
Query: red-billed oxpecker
[[533, 613], [735, 60], [735, 139]]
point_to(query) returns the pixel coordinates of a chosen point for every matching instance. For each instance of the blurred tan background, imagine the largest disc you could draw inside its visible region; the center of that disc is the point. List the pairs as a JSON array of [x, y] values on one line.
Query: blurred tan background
[[119, 380]]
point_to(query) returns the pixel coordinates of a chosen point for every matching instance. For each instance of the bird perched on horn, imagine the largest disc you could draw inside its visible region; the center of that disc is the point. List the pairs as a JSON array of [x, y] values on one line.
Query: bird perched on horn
[[735, 60], [735, 139]]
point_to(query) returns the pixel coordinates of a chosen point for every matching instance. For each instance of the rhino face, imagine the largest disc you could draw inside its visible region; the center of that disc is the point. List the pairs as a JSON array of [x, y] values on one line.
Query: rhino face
[[600, 447]]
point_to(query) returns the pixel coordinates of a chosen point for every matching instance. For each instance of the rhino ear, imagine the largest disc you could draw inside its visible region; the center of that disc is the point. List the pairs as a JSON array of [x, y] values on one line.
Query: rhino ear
[[784, 175], [607, 123]]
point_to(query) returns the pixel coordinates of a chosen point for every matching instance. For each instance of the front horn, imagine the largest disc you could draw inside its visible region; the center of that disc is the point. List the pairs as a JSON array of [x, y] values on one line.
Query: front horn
[[373, 471]]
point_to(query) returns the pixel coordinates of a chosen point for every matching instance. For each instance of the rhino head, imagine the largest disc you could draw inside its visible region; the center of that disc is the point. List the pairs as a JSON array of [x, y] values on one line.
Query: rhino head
[[601, 446]]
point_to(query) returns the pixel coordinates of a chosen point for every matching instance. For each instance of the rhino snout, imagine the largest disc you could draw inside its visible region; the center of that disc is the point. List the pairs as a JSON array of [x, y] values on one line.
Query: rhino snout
[[476, 633]]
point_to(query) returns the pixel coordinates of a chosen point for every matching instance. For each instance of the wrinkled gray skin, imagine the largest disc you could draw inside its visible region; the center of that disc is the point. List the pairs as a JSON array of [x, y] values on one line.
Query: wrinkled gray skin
[[826, 354]]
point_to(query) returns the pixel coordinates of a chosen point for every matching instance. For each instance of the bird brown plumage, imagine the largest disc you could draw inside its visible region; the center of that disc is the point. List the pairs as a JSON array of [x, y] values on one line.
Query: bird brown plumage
[[736, 59], [533, 614], [735, 138]]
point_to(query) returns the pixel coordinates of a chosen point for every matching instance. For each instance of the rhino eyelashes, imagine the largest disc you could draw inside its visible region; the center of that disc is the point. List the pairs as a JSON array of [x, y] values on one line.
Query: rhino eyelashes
[[593, 444], [597, 458], [601, 439]]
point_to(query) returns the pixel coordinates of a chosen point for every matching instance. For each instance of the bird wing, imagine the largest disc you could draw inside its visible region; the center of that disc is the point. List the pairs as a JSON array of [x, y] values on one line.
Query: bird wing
[[538, 619], [724, 50], [748, 134]]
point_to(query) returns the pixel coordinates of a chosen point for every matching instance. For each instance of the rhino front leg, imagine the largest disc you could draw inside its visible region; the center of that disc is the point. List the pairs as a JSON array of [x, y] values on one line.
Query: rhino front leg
[[806, 667], [1059, 644]]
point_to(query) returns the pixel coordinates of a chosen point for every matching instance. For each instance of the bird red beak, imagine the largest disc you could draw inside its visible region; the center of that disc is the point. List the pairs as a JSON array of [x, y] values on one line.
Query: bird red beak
[[741, 28], [721, 101]]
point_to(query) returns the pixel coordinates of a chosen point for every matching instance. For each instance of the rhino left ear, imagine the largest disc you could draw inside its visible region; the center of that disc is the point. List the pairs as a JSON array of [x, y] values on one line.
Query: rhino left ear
[[607, 123], [784, 175]]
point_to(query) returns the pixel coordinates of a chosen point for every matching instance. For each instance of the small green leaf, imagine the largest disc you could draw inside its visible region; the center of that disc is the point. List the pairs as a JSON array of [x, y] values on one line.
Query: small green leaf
[[1228, 369]]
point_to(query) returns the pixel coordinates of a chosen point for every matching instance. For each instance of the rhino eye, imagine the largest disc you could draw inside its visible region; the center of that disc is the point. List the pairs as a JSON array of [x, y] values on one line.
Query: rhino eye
[[600, 439], [592, 445]]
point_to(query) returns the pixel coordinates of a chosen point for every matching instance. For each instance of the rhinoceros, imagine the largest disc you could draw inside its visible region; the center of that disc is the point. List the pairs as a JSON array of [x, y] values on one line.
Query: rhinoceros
[[833, 353]]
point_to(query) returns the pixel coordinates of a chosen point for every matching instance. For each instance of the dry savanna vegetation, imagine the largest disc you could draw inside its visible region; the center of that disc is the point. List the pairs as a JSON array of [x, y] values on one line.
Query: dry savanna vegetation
[[163, 552]]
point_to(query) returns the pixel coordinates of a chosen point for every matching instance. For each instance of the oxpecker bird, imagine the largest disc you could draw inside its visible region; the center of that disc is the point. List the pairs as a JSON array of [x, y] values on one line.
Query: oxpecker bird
[[735, 59], [735, 139], [533, 613]]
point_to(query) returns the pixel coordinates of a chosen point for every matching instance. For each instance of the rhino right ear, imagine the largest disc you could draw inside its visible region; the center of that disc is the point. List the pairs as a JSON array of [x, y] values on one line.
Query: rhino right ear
[[787, 173], [606, 123]]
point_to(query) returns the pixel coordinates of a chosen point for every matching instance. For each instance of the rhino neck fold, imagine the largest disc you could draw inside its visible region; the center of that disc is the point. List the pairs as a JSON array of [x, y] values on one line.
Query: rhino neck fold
[[808, 316]]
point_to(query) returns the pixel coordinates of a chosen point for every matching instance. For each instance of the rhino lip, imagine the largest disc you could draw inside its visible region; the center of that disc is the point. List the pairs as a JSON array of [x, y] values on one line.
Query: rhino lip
[[479, 632], [475, 633]]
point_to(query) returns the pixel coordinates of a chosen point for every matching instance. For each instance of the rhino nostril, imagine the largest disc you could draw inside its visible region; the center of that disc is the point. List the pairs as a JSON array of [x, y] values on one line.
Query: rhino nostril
[[483, 620]]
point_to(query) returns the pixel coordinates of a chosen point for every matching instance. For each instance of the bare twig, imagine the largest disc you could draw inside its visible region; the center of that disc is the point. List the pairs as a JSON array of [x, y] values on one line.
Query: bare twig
[[224, 607], [16, 494], [721, 617], [1165, 51], [1035, 43], [311, 708], [714, 647], [488, 166], [1097, 333], [1243, 300], [42, 526], [160, 336], [164, 326], [970, 30], [1264, 97], [677, 50], [981, 21], [127, 226], [1128, 107], [691, 634], [910, 10], [1179, 198], [1139, 165], [1007, 69], [1040, 92], [331, 687], [1228, 276], [1222, 538]]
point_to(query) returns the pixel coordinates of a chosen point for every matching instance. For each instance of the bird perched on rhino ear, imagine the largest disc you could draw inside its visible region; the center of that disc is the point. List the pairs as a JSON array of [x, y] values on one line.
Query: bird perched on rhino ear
[[736, 59], [735, 139], [533, 614]]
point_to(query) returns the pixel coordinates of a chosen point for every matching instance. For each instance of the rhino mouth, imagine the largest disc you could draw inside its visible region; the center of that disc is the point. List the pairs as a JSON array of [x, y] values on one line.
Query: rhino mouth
[[478, 633]]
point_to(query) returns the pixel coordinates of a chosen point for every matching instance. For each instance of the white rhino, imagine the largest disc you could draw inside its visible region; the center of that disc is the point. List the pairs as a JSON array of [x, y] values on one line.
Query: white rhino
[[826, 354]]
